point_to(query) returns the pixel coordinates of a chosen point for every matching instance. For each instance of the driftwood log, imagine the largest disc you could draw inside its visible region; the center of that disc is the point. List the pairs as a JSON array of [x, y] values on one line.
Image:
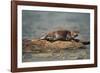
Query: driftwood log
[[44, 45]]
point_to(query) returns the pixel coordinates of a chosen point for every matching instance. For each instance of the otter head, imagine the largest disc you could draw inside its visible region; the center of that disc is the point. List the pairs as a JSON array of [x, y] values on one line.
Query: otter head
[[74, 34]]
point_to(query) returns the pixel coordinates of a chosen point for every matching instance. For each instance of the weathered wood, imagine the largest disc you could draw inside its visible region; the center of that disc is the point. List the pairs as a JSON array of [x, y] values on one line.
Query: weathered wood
[[44, 45]]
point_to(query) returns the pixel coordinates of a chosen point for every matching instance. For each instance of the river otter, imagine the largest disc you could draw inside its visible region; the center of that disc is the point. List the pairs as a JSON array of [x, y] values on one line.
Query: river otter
[[60, 35]]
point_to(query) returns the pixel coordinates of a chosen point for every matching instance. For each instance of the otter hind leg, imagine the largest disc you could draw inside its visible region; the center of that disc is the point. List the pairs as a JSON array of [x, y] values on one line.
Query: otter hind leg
[[44, 36]]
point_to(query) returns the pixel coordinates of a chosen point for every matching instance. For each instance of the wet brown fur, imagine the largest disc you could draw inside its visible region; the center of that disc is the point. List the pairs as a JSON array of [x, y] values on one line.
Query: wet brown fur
[[60, 35]]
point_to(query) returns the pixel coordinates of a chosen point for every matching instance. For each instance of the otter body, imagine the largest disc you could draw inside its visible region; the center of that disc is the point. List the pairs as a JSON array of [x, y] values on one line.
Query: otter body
[[59, 35]]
